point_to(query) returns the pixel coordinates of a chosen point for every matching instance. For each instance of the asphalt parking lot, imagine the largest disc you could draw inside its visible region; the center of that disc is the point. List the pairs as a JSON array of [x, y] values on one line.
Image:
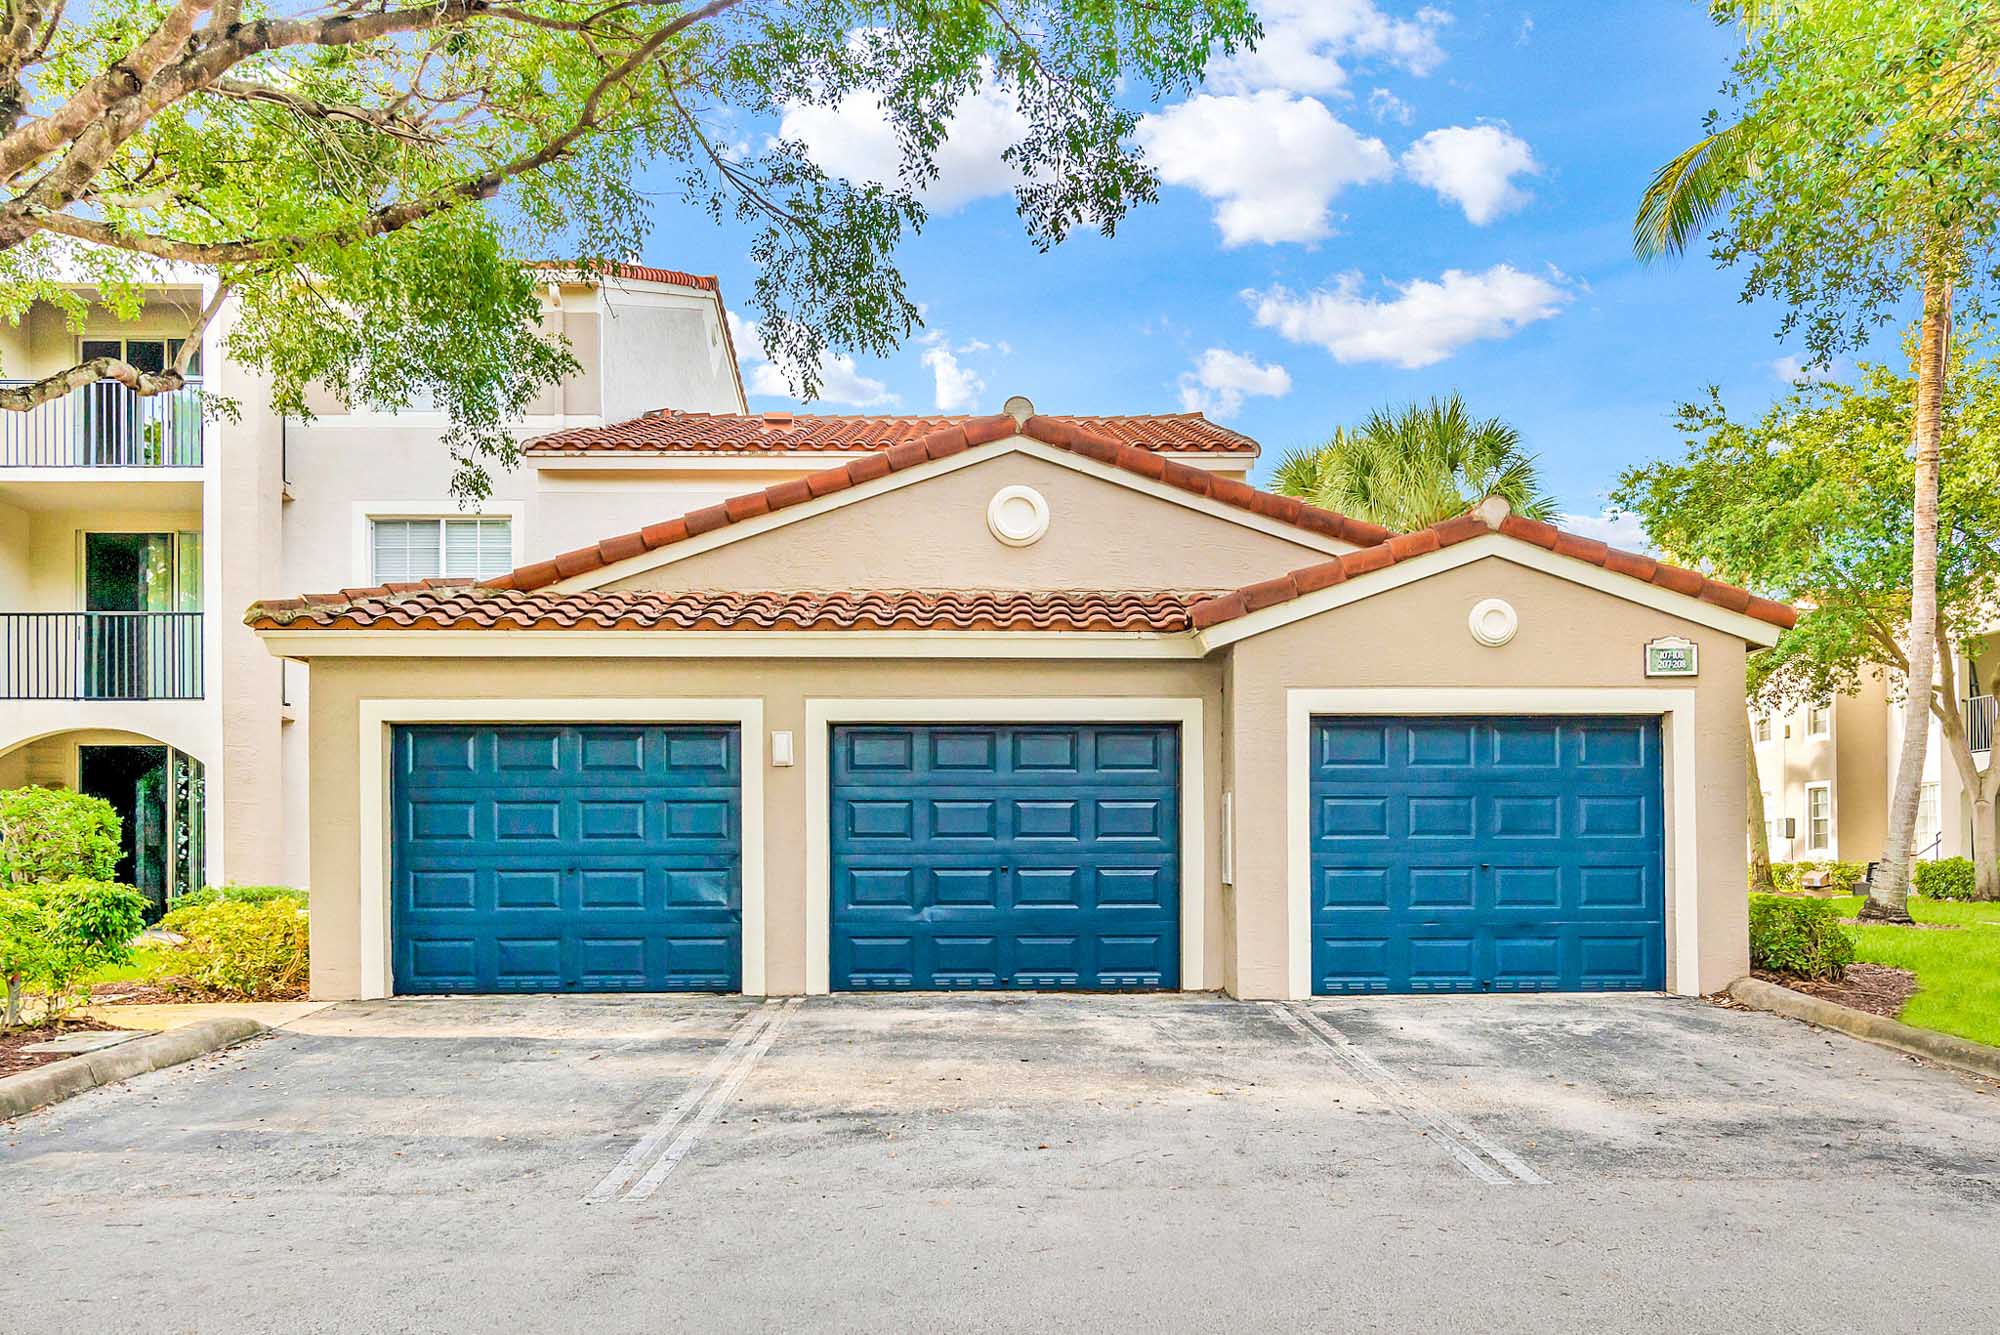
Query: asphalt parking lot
[[1011, 1163]]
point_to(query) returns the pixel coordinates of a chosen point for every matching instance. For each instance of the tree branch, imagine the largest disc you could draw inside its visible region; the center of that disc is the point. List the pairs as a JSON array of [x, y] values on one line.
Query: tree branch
[[385, 119], [145, 384]]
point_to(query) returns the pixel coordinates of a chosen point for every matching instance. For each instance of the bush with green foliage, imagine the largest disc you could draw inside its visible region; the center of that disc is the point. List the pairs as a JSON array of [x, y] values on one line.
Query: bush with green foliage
[[54, 933], [1846, 876], [51, 834], [237, 894], [1946, 878], [241, 949], [1800, 938]]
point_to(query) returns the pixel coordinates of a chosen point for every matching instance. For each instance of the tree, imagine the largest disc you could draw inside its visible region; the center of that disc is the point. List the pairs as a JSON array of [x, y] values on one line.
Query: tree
[[1414, 466], [52, 934], [1811, 502], [363, 179], [1859, 175]]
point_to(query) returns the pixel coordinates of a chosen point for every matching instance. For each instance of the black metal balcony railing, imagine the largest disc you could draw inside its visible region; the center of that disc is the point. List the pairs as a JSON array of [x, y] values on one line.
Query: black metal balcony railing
[[1979, 722], [105, 425], [100, 655]]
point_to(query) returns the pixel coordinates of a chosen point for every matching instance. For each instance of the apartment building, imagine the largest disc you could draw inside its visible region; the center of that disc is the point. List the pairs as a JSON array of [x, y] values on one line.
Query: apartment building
[[1827, 771], [134, 531]]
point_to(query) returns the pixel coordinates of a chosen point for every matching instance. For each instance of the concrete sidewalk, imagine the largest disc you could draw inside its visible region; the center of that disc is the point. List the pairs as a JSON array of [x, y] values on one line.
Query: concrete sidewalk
[[172, 1015]]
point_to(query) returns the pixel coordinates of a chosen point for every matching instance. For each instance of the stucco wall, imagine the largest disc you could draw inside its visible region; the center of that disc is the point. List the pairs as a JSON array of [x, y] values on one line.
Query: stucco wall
[[1416, 636], [933, 535], [339, 684]]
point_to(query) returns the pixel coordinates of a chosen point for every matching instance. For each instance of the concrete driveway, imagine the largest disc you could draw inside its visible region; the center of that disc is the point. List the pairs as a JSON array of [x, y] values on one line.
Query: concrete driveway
[[1011, 1163]]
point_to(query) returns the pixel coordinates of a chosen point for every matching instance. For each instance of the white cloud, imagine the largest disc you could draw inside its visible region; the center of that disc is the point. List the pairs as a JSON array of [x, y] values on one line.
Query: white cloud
[[1272, 162], [1424, 323], [853, 140], [1474, 167], [1221, 380], [839, 382], [1384, 105], [1306, 41], [958, 387], [1791, 370], [1620, 529]]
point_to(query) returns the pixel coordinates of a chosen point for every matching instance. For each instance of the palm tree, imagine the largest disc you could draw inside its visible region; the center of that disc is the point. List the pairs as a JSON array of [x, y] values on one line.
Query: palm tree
[[1425, 462], [1683, 197]]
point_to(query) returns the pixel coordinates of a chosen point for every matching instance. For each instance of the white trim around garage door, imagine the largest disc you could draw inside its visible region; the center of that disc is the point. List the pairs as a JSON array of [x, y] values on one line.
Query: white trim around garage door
[[1673, 707], [379, 716], [822, 714]]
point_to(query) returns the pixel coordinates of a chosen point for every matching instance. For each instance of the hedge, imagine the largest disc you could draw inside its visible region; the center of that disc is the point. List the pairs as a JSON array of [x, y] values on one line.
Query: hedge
[[1847, 876]]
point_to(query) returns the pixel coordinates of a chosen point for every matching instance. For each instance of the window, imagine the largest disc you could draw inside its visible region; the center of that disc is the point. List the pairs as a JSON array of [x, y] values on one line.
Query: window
[[1819, 720], [1819, 817], [412, 549], [1774, 824], [1763, 727], [1927, 821]]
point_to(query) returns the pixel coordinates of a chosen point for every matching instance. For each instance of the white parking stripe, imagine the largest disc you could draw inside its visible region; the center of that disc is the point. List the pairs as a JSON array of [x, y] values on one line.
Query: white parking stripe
[[684, 1142], [1466, 1144], [640, 1154]]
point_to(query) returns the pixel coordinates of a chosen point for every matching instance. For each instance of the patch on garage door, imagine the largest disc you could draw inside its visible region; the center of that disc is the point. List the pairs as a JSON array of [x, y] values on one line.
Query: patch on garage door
[[598, 858], [1487, 854], [1005, 856]]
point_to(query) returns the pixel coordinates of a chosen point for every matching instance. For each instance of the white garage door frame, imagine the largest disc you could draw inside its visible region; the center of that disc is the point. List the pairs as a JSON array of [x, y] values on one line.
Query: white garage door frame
[[379, 717], [1673, 707], [822, 714]]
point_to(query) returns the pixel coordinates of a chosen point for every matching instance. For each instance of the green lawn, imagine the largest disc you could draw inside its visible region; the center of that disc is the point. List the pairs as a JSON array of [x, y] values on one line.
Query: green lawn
[[1958, 973]]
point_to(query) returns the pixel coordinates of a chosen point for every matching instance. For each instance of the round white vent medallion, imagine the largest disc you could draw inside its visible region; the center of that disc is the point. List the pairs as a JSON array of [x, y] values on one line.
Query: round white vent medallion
[[1018, 516], [1493, 621]]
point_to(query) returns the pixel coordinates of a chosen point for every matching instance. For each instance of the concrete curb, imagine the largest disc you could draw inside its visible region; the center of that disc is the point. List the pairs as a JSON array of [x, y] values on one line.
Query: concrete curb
[[57, 1081], [1960, 1054]]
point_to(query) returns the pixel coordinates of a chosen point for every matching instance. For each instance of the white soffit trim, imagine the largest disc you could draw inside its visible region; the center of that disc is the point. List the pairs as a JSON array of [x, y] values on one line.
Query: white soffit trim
[[822, 713], [1521, 553], [1674, 707], [308, 644], [379, 716], [979, 454]]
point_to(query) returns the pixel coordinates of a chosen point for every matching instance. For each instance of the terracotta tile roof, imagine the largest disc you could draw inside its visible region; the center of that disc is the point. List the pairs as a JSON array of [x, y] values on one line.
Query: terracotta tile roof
[[644, 273], [1311, 579], [674, 432], [938, 444], [450, 605]]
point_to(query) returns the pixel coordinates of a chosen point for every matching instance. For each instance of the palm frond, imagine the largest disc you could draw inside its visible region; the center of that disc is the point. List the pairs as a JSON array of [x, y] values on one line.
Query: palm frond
[[1685, 194]]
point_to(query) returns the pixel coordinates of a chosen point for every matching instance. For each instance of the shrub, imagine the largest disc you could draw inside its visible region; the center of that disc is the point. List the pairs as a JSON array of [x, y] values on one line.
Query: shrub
[[52, 934], [237, 894], [1846, 876], [241, 949], [49, 835], [1946, 878], [1801, 938]]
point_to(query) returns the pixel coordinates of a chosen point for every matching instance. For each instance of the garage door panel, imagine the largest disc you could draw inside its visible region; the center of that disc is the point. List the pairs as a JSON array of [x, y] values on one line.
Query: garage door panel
[[1005, 856], [1501, 860], [575, 858]]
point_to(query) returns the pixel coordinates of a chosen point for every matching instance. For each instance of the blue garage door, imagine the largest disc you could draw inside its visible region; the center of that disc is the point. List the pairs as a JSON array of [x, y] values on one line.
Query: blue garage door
[[1006, 856], [567, 859], [1487, 854]]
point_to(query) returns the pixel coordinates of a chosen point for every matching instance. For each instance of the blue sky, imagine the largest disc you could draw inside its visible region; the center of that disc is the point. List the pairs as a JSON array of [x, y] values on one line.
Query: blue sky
[[1298, 269]]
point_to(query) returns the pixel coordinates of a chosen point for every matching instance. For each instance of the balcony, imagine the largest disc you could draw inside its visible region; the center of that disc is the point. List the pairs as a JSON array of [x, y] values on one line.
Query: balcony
[[100, 656], [1979, 722], [105, 425]]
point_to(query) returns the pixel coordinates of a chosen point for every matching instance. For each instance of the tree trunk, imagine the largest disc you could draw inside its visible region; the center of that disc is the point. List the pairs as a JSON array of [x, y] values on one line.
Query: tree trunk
[[1985, 838], [1760, 835], [1888, 891], [13, 1000]]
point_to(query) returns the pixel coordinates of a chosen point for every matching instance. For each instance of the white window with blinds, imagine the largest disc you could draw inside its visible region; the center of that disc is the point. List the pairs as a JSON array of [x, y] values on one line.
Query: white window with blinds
[[404, 550]]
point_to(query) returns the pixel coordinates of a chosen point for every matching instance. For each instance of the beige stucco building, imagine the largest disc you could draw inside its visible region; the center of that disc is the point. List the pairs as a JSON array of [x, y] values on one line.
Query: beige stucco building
[[133, 531], [1020, 702]]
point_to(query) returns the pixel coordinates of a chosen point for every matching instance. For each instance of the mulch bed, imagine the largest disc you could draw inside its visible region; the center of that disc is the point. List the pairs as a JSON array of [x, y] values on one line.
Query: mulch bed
[[169, 994], [1909, 926], [1875, 988], [14, 1057]]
